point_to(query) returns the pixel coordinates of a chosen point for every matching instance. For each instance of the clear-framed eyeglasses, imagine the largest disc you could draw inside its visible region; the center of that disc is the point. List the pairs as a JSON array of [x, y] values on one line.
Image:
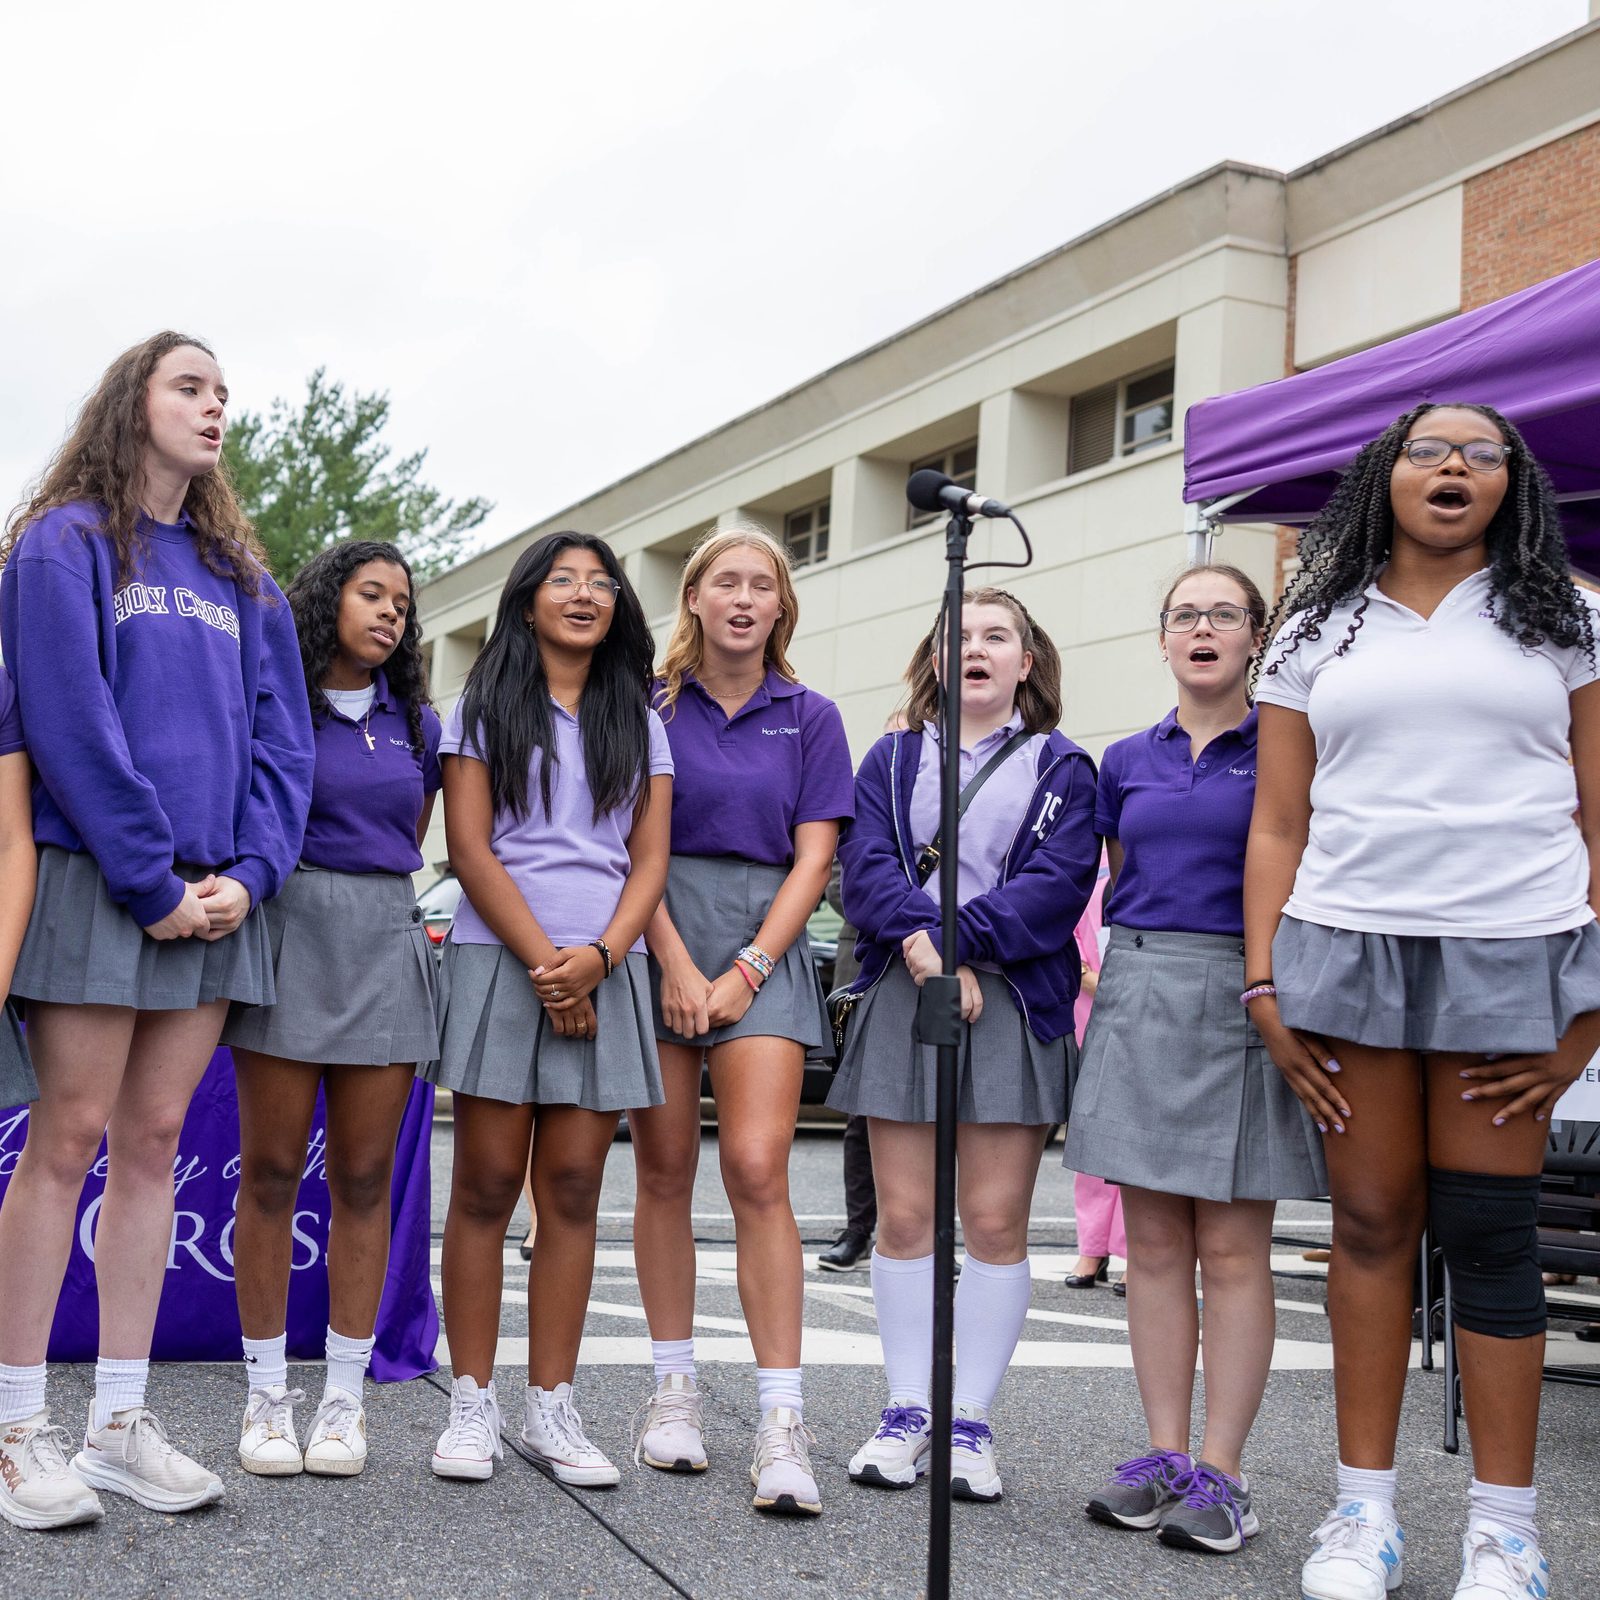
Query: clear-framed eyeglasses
[[601, 590]]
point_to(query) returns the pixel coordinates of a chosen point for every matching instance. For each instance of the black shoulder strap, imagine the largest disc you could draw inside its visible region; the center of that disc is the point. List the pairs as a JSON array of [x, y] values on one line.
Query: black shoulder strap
[[929, 859]]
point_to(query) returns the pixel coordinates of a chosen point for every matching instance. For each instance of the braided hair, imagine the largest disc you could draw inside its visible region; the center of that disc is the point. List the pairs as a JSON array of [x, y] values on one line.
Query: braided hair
[[314, 599], [1533, 597]]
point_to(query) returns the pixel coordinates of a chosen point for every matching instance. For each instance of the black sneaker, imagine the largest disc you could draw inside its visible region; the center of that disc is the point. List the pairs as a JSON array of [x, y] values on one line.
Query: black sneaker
[[847, 1252]]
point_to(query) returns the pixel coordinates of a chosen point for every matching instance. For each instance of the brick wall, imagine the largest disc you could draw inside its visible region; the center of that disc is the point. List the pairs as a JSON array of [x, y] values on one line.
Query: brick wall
[[1531, 218]]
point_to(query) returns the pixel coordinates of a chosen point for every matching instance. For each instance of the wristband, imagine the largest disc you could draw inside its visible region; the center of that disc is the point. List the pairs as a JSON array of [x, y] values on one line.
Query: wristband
[[740, 966], [757, 958], [1256, 983], [605, 954], [1257, 991]]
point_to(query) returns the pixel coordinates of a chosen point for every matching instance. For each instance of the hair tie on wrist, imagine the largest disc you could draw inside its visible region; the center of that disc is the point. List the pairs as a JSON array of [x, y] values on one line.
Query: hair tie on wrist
[[605, 954]]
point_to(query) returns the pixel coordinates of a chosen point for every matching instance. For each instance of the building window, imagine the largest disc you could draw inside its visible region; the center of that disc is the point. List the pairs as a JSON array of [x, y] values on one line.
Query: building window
[[805, 532], [1120, 419], [959, 463]]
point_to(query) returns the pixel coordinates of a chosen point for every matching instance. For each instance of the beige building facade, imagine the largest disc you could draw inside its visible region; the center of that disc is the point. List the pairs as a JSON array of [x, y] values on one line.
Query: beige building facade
[[1061, 388]]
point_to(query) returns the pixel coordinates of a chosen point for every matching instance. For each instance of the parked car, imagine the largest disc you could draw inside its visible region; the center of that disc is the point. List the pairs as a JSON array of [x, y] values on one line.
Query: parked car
[[438, 903]]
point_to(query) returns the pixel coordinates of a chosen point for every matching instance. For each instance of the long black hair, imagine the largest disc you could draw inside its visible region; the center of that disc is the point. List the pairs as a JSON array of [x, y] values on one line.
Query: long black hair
[[506, 703], [313, 596], [1533, 596]]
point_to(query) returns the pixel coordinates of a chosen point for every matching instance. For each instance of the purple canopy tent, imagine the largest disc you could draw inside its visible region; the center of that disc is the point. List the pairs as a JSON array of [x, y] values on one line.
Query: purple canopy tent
[[1274, 453]]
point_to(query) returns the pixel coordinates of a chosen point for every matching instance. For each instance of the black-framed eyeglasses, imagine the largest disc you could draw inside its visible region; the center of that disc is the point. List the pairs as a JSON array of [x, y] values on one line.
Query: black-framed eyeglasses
[[1482, 455], [1185, 619], [602, 590]]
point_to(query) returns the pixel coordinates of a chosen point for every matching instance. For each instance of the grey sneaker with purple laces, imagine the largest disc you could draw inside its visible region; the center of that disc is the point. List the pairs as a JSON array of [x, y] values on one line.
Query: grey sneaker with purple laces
[[1213, 1513], [1142, 1490]]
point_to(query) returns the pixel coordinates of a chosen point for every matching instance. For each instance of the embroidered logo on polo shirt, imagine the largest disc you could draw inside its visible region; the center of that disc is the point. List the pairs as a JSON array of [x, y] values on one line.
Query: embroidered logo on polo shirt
[[770, 731], [403, 744], [1241, 772]]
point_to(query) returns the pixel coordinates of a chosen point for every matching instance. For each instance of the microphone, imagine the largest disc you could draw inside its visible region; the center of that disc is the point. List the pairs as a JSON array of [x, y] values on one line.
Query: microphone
[[930, 490]]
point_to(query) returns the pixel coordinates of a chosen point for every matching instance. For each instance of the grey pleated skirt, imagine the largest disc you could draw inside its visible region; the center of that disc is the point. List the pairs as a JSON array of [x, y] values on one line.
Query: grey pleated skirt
[[1408, 992], [717, 904], [356, 979], [18, 1086], [83, 949], [496, 1041], [1006, 1073], [1177, 1092]]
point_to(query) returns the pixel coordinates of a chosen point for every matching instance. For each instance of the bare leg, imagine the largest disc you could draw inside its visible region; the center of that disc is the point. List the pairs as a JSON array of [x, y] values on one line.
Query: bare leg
[[1234, 1242], [491, 1155], [666, 1152], [757, 1085], [1163, 1319], [903, 1167], [997, 1166], [167, 1059], [79, 1053]]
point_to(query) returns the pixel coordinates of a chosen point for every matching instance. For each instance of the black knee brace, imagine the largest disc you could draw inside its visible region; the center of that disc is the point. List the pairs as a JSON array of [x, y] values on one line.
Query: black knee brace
[[1487, 1226]]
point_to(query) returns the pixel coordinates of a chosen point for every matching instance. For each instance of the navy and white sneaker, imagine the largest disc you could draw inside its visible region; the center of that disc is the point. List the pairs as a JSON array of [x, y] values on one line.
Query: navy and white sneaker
[[897, 1454], [1360, 1555], [1213, 1513], [1497, 1564], [974, 1474], [1141, 1491]]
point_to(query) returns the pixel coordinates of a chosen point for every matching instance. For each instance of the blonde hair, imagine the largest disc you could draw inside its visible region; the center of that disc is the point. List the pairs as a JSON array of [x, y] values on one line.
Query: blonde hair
[[686, 648], [1038, 695]]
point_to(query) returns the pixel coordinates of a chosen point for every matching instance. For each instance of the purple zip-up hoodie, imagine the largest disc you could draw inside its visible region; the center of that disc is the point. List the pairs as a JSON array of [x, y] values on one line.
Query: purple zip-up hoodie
[[166, 717], [1025, 925]]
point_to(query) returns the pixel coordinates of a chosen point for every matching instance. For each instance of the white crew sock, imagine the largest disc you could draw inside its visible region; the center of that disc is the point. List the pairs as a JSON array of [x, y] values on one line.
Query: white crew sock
[[1374, 1485], [347, 1362], [1507, 1506], [991, 1303], [118, 1386], [902, 1293], [672, 1356], [21, 1392], [779, 1386], [266, 1363]]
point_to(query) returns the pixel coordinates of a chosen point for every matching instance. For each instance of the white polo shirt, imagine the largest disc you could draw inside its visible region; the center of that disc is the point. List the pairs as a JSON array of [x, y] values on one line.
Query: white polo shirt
[[1443, 801]]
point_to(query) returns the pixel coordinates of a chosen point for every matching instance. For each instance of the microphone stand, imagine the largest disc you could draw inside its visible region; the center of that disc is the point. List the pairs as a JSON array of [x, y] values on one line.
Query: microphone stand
[[939, 1024]]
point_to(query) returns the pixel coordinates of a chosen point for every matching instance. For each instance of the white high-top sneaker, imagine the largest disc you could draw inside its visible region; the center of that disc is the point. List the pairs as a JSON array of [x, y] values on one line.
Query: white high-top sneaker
[[553, 1431], [268, 1444], [672, 1434], [781, 1471], [132, 1455], [468, 1447], [38, 1486], [338, 1447]]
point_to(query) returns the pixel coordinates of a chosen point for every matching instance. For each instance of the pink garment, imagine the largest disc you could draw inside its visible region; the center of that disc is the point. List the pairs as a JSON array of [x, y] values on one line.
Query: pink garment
[[1098, 1208], [1087, 934]]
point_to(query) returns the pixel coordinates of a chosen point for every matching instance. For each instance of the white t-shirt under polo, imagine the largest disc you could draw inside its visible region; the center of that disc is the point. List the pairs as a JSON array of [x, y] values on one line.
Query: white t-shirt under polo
[[1444, 794]]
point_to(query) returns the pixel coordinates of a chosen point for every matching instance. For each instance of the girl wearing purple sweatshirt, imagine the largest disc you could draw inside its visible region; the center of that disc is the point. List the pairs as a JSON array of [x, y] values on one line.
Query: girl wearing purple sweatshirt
[[164, 707], [1028, 859]]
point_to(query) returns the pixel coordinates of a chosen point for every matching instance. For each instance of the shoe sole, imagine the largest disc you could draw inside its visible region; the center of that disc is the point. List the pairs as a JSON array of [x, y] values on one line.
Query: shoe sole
[[1391, 1581], [89, 1510], [113, 1480], [833, 1266], [336, 1468], [787, 1506], [1113, 1519], [271, 1469], [467, 1471], [874, 1475], [607, 1477], [681, 1464], [1179, 1538], [961, 1489]]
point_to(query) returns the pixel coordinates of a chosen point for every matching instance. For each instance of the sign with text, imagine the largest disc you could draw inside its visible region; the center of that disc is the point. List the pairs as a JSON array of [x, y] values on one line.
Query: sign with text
[[1581, 1103]]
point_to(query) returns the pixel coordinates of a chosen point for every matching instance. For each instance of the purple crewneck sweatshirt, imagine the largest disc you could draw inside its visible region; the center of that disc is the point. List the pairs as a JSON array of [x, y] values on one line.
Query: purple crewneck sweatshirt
[[166, 719]]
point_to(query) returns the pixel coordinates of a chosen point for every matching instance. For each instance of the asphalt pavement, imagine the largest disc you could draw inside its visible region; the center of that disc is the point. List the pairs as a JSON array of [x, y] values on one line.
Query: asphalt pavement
[[1069, 1408]]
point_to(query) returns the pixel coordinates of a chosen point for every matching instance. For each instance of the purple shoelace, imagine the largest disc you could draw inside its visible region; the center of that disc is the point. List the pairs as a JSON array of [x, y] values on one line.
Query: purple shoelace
[[968, 1433], [1203, 1488], [1167, 1465], [898, 1421]]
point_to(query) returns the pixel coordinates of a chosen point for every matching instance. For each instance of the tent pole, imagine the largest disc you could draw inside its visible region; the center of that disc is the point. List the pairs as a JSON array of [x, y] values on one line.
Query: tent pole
[[1199, 531]]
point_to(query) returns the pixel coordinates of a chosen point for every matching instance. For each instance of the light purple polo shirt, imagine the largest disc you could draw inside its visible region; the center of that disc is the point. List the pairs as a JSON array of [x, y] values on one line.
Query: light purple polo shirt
[[1182, 824], [569, 868], [998, 810], [10, 717], [744, 783], [365, 802]]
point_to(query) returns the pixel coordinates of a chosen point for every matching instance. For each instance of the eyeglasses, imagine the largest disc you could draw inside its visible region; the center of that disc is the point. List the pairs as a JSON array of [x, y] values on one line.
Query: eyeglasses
[[1185, 619], [1482, 455], [602, 590]]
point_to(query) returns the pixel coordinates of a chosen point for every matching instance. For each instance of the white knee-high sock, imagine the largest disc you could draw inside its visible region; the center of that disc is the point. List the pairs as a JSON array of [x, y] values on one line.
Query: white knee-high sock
[[991, 1303], [902, 1293]]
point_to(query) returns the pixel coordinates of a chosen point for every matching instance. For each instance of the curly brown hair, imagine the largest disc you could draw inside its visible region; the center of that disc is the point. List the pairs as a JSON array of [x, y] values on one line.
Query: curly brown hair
[[101, 461]]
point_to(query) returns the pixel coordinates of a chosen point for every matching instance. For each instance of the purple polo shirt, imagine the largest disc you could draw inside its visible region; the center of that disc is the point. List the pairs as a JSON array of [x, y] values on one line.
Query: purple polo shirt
[[365, 800], [1182, 824], [569, 868], [744, 783], [10, 717]]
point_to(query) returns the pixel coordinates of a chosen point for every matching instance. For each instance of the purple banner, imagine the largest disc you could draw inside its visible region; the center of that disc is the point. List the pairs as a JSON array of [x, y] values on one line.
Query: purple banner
[[199, 1319]]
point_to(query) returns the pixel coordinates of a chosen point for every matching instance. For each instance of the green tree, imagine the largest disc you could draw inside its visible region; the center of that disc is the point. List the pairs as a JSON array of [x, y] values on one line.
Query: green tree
[[312, 474]]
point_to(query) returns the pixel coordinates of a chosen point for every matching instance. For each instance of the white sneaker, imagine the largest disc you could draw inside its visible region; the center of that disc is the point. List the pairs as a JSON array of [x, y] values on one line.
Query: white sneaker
[[974, 1474], [468, 1447], [781, 1471], [132, 1455], [338, 1447], [268, 1444], [553, 1431], [1359, 1555], [672, 1433], [1497, 1564], [897, 1454], [38, 1486]]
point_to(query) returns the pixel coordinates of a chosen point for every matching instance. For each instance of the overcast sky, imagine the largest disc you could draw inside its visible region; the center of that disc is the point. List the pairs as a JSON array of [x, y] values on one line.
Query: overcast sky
[[567, 239]]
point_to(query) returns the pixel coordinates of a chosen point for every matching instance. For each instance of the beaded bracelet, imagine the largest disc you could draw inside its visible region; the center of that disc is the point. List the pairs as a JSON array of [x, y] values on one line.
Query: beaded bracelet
[[743, 969], [758, 958], [1257, 991]]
